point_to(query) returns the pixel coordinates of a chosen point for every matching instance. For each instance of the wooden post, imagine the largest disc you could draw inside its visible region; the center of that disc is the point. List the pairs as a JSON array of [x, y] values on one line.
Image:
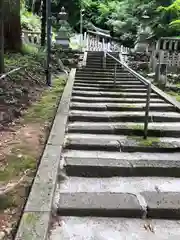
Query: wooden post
[[1, 36]]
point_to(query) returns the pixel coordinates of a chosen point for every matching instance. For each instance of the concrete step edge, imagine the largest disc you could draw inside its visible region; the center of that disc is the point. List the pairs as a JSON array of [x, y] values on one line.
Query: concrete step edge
[[99, 167], [163, 205]]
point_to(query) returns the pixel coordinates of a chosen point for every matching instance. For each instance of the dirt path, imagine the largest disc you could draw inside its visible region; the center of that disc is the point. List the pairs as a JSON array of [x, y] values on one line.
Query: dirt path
[[21, 145]]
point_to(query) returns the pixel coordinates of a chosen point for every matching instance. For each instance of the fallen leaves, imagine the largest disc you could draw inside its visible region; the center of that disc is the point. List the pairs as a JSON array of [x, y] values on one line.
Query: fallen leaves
[[149, 227]]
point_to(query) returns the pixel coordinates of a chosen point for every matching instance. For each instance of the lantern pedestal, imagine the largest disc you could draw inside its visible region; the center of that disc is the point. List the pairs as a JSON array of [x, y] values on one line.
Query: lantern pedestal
[[62, 39]]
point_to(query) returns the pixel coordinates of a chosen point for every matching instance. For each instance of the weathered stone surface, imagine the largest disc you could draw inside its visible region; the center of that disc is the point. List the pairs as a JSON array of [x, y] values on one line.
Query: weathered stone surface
[[127, 156], [126, 143], [159, 168], [133, 185], [154, 129], [111, 94], [106, 82], [33, 226], [56, 136], [105, 86], [135, 116], [95, 167], [99, 204], [119, 106], [114, 100], [78, 228], [41, 195], [163, 204], [102, 89], [151, 145], [94, 144], [81, 127], [105, 167]]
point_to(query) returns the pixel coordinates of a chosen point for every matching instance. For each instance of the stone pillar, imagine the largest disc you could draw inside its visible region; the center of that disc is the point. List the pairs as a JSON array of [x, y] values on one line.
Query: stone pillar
[[161, 75]]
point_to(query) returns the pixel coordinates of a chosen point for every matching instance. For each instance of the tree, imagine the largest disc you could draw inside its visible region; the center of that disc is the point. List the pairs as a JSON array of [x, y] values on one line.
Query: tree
[[12, 25], [43, 23], [1, 37]]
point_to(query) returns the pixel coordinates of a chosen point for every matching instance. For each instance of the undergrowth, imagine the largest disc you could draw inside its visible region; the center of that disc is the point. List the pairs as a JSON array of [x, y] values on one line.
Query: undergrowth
[[174, 94]]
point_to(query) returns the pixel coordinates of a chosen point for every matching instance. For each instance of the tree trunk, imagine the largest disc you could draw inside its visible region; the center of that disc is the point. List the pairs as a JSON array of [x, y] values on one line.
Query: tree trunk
[[12, 26], [1, 37], [43, 24]]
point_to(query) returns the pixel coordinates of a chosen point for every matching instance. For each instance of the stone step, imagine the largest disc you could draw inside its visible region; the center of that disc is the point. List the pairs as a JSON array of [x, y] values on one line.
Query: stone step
[[107, 81], [102, 72], [112, 94], [108, 66], [128, 116], [89, 70], [100, 204], [94, 60], [100, 61], [98, 228], [97, 60], [128, 128], [90, 62], [106, 77], [132, 185], [162, 166], [96, 65], [102, 142], [94, 84], [95, 54], [114, 100], [100, 64], [123, 156], [151, 204], [109, 164], [102, 76], [112, 89], [120, 107]]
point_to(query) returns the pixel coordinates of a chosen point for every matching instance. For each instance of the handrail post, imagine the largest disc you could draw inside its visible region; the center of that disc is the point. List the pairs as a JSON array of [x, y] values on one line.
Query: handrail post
[[104, 59], [87, 42], [115, 71], [103, 45], [145, 82], [146, 119]]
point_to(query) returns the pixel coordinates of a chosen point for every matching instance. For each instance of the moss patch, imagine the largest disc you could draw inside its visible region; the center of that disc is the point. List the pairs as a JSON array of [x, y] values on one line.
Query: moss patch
[[150, 142], [145, 142], [136, 126], [128, 106], [174, 94], [17, 163], [43, 110]]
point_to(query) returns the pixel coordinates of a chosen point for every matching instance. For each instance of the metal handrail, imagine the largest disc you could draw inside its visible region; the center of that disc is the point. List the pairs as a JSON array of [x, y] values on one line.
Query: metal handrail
[[142, 79]]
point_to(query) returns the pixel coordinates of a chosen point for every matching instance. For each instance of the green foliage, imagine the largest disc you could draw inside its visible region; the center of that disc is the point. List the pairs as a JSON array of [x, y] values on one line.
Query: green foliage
[[30, 21], [122, 17], [29, 49]]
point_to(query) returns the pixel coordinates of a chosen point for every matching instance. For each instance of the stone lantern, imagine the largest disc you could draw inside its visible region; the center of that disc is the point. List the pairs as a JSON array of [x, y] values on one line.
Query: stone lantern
[[62, 39], [141, 44]]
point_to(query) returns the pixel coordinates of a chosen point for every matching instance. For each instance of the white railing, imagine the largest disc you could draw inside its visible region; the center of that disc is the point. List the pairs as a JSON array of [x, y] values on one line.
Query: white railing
[[31, 37], [99, 42]]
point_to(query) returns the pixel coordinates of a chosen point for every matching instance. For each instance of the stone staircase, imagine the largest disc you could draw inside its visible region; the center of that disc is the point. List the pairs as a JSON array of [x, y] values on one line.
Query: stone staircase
[[114, 175]]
